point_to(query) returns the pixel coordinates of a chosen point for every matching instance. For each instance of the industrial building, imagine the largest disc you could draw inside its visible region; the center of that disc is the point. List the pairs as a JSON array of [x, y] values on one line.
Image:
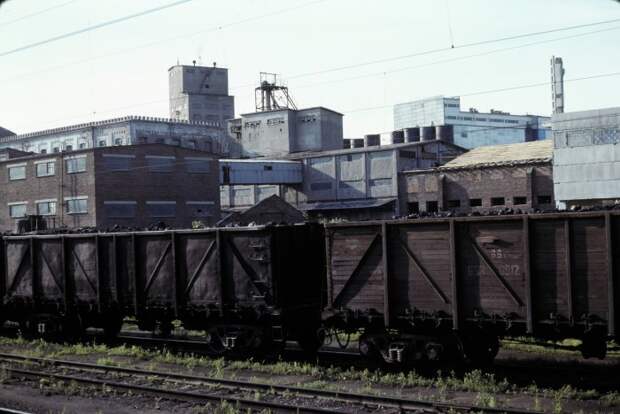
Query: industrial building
[[443, 116], [102, 187], [129, 130], [200, 94], [586, 162], [517, 176], [5, 132]]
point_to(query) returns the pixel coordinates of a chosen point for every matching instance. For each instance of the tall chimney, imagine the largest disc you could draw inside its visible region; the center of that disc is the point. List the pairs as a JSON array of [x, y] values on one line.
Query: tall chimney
[[557, 84]]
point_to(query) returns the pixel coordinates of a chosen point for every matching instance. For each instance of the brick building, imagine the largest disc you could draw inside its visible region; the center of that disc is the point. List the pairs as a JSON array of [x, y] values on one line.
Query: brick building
[[126, 185], [516, 176]]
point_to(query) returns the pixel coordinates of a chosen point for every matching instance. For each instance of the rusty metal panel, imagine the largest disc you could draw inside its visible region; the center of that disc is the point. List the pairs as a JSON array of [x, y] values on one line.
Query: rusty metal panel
[[589, 268], [247, 267], [199, 268], [49, 269], [18, 269], [82, 266], [155, 272], [420, 271], [357, 279], [548, 267], [493, 280]]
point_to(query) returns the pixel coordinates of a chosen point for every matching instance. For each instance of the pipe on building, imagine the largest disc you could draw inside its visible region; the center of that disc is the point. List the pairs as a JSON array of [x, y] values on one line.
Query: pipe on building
[[412, 134], [372, 140], [397, 137], [428, 133]]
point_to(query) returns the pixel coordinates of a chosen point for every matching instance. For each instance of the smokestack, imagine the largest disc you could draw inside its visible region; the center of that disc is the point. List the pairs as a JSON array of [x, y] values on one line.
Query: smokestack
[[557, 84]]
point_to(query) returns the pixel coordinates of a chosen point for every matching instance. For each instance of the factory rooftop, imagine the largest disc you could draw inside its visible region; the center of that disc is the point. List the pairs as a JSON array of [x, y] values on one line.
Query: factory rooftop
[[501, 155]]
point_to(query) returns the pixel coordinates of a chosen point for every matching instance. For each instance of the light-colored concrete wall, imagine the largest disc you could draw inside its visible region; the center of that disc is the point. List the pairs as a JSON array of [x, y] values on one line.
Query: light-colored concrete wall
[[586, 157]]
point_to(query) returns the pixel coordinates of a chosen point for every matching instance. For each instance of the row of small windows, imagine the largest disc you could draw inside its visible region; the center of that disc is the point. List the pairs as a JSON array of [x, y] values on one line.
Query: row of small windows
[[58, 147], [74, 205], [47, 168], [433, 206], [469, 118], [158, 164], [113, 209]]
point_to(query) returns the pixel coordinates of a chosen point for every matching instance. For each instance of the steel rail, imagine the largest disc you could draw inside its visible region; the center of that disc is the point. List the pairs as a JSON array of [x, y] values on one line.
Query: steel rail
[[169, 394], [402, 404]]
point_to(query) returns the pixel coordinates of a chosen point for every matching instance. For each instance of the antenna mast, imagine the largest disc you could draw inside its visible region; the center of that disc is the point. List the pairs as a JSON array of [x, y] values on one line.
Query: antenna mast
[[270, 95]]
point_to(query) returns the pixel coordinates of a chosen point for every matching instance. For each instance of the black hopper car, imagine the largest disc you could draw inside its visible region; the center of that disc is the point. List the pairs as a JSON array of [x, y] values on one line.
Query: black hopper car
[[423, 289]]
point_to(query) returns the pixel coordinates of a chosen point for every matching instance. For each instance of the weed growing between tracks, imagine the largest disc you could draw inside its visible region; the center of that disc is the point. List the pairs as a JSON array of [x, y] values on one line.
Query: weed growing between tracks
[[484, 389]]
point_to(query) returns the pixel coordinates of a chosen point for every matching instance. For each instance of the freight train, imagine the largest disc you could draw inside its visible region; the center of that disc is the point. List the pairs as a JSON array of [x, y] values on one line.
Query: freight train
[[420, 289]]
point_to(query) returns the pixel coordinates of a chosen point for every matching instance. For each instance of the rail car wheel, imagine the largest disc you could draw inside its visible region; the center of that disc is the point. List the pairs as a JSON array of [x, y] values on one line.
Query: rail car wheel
[[163, 328], [72, 328], [112, 325], [368, 348], [481, 349], [594, 346], [310, 342]]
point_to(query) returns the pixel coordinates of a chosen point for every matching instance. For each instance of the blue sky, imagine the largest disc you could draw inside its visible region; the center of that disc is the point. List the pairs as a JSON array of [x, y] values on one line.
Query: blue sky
[[110, 72]]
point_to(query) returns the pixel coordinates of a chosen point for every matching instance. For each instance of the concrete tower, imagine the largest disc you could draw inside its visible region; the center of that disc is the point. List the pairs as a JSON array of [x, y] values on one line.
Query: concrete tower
[[200, 94], [557, 84]]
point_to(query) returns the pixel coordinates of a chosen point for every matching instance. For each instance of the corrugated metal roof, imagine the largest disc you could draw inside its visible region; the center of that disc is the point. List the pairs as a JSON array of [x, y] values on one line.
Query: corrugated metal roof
[[345, 205], [507, 154]]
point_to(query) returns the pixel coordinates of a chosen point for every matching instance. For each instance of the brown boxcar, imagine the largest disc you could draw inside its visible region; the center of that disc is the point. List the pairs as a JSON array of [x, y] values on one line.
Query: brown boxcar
[[422, 288], [246, 287]]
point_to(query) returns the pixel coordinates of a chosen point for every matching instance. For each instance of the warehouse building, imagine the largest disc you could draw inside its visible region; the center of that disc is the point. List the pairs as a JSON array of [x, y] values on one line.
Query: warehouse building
[[102, 187], [517, 176], [586, 162], [443, 117], [129, 130], [362, 183]]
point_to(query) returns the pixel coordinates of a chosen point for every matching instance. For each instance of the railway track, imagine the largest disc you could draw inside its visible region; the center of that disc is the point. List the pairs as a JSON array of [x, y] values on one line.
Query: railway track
[[336, 400]]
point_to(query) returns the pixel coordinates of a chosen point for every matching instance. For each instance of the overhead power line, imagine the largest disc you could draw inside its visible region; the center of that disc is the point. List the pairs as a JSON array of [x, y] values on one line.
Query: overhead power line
[[455, 59], [169, 39], [444, 49], [93, 27], [355, 110], [27, 16], [485, 92]]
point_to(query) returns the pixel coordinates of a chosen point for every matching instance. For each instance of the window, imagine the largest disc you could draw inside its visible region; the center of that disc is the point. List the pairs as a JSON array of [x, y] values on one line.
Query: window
[[17, 172], [432, 206], [75, 165], [200, 208], [77, 205], [118, 141], [17, 210], [56, 149], [475, 202], [160, 164], [320, 186], [413, 207], [117, 162], [519, 200], [82, 145], [43, 151], [46, 207], [161, 208], [454, 203], [497, 201], [267, 168], [544, 199], [120, 209], [102, 143], [69, 148], [45, 168], [197, 165]]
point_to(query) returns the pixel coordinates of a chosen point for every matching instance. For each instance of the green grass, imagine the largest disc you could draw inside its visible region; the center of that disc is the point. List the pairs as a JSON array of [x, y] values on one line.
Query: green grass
[[486, 387]]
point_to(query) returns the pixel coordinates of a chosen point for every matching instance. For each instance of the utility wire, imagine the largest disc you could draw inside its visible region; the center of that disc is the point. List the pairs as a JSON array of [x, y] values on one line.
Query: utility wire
[[443, 49], [27, 16], [91, 28], [511, 88], [169, 39], [455, 59]]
